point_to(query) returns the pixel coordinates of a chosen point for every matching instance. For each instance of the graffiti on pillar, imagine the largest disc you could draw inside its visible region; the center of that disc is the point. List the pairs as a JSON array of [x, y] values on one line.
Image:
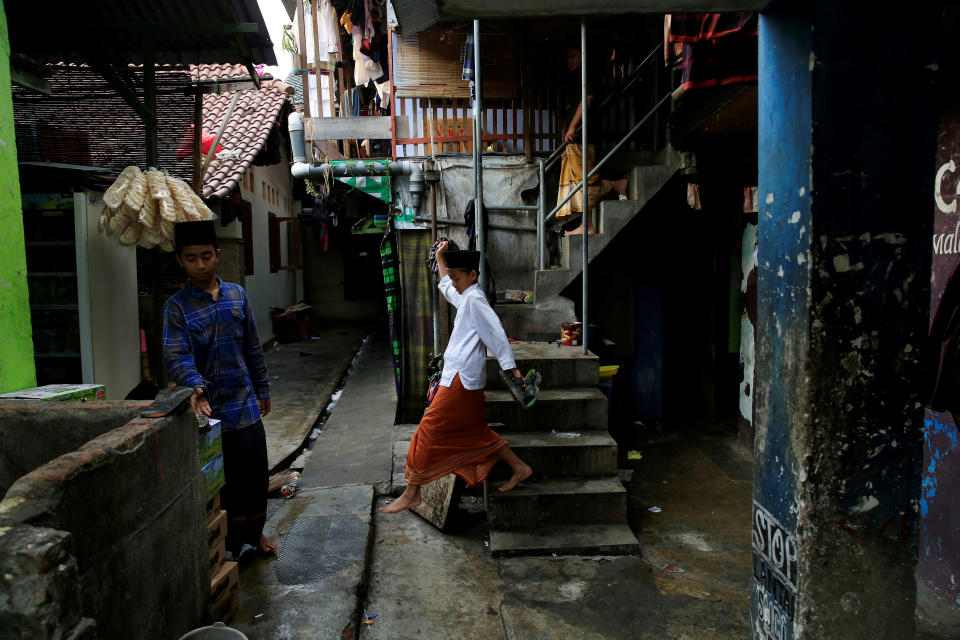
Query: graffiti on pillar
[[774, 597], [946, 219]]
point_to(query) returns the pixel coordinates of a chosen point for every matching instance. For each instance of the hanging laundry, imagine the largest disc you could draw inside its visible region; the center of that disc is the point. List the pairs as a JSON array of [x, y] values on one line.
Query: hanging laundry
[[365, 69], [368, 30], [383, 92], [329, 39], [345, 21], [468, 59]]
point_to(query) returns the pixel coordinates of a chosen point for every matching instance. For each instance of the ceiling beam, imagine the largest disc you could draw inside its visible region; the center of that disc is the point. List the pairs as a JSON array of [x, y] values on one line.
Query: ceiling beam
[[125, 91]]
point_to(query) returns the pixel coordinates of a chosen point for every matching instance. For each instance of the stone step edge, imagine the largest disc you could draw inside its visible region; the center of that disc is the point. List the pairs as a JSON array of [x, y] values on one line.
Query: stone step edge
[[588, 438], [583, 540], [588, 485], [553, 394]]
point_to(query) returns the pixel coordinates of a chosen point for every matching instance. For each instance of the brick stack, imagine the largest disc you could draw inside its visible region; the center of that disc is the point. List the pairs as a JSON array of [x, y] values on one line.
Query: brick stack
[[224, 576]]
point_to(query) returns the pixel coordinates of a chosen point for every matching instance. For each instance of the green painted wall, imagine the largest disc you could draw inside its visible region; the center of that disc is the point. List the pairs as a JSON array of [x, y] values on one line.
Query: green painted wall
[[16, 341]]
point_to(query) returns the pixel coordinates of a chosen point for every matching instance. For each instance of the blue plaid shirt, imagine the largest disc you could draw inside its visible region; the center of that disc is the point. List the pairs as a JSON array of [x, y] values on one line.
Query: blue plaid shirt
[[215, 345]]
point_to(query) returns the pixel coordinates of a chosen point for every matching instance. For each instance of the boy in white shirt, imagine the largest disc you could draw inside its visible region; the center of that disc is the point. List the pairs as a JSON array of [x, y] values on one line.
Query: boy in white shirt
[[453, 435]]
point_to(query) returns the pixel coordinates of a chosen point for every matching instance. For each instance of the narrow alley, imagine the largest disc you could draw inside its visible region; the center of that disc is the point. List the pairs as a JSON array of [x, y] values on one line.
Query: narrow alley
[[499, 320]]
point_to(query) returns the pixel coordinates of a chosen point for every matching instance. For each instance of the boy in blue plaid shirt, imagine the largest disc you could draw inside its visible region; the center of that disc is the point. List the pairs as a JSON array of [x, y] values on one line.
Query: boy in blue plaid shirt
[[211, 344]]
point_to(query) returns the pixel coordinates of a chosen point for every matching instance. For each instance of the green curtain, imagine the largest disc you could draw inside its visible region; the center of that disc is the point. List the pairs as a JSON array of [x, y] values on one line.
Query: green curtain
[[391, 287], [416, 341]]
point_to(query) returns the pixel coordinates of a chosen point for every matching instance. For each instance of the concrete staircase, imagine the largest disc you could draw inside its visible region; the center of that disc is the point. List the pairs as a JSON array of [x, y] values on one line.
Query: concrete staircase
[[550, 308], [574, 504]]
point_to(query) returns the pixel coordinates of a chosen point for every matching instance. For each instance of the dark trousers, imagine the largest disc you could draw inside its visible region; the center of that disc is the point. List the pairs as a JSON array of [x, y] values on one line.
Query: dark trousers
[[244, 495]]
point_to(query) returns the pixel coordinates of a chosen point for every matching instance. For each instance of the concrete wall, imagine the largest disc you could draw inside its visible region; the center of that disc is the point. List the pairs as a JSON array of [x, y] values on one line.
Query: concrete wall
[[34, 433], [16, 348], [939, 564], [132, 503], [842, 318], [111, 291], [511, 252], [265, 289]]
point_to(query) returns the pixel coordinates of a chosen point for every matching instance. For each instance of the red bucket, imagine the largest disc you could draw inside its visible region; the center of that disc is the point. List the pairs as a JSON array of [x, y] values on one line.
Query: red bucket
[[571, 333]]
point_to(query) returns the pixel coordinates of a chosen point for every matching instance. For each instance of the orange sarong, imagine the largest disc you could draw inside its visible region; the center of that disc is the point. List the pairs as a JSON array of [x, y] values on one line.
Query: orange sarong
[[453, 437]]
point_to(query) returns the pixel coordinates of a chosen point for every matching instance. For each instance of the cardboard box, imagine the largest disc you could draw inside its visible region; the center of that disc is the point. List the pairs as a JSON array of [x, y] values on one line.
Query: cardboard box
[[225, 592], [218, 555], [213, 507], [213, 476], [210, 445], [61, 393], [217, 530]]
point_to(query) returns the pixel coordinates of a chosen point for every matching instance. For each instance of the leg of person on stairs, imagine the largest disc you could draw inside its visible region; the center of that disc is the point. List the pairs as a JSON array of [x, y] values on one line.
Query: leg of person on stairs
[[409, 499], [521, 470]]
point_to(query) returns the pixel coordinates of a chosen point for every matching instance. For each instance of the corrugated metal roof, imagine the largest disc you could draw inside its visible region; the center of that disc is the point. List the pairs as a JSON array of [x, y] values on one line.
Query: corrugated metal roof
[[413, 16], [182, 31]]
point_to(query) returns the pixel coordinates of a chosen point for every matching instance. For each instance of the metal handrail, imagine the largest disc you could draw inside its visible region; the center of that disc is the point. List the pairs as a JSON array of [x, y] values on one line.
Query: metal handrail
[[610, 154], [634, 78]]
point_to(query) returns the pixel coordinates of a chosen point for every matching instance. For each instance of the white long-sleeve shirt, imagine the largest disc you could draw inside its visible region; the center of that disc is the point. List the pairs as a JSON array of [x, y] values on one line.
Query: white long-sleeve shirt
[[476, 329]]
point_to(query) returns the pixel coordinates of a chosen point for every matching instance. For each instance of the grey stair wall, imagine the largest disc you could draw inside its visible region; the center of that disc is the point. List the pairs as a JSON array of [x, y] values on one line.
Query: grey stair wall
[[551, 309]]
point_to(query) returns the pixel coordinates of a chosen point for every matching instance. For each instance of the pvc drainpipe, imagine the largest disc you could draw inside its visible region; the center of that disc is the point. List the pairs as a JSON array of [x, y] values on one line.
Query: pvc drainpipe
[[302, 169]]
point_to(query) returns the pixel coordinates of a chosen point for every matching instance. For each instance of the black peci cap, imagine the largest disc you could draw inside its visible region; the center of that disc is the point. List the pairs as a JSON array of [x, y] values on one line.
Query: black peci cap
[[469, 260], [194, 232]]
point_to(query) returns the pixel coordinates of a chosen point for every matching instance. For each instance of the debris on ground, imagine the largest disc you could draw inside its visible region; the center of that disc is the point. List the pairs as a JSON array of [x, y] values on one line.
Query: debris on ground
[[633, 454], [655, 509], [564, 434], [370, 617], [672, 569], [288, 490]]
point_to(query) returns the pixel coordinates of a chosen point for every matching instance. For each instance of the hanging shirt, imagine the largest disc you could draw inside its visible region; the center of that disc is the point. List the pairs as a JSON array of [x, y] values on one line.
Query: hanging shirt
[[214, 345], [476, 329]]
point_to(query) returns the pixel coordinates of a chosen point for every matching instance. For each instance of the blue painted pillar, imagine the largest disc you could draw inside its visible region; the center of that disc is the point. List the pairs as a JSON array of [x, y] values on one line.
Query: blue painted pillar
[[847, 135]]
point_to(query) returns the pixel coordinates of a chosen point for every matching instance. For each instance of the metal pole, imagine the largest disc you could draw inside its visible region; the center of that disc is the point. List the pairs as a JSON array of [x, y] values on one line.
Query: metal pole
[[541, 210], [150, 102], [585, 222], [435, 298], [478, 158]]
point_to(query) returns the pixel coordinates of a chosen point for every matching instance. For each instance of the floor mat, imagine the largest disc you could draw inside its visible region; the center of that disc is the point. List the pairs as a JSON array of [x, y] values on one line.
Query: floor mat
[[318, 547]]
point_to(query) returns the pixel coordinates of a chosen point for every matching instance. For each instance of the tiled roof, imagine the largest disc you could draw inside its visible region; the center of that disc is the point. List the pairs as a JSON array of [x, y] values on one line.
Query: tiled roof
[[256, 113]]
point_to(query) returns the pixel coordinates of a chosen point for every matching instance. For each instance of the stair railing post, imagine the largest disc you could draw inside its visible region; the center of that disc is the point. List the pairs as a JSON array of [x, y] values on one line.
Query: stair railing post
[[585, 221], [478, 159], [541, 211]]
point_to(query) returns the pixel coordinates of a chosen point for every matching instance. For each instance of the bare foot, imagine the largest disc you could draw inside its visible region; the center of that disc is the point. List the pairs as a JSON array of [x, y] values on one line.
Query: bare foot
[[517, 477], [266, 545], [621, 186], [402, 503]]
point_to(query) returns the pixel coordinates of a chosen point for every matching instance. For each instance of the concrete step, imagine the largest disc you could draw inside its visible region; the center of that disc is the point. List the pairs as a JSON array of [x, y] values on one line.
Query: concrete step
[[557, 502], [589, 453], [566, 409], [560, 366], [599, 539]]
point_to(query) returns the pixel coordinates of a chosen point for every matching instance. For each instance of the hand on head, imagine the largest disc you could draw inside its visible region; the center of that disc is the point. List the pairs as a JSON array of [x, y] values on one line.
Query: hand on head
[[442, 248]]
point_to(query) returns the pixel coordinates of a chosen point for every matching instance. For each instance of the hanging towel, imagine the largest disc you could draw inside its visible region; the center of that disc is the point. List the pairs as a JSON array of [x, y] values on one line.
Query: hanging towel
[[468, 59]]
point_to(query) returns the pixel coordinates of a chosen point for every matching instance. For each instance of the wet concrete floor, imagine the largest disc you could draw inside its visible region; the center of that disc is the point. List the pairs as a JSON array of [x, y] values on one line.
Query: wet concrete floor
[[427, 584], [302, 377]]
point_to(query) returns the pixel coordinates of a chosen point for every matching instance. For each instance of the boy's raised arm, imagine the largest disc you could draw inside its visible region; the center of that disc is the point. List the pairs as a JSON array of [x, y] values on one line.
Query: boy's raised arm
[[446, 287]]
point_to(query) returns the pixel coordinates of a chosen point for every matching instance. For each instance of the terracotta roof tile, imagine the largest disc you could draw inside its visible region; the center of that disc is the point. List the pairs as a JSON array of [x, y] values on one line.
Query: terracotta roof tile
[[256, 113]]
